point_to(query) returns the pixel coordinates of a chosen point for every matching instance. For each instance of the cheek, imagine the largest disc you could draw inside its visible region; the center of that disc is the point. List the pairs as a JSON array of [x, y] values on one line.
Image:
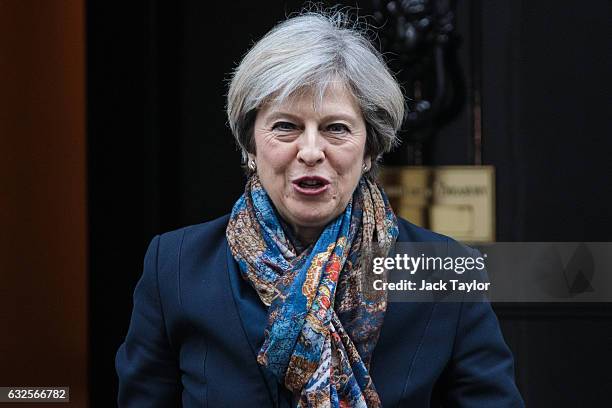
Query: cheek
[[273, 160], [276, 159], [349, 165]]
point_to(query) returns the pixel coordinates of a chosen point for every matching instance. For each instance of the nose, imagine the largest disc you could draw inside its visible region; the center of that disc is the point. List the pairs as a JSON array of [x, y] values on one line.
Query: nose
[[310, 147]]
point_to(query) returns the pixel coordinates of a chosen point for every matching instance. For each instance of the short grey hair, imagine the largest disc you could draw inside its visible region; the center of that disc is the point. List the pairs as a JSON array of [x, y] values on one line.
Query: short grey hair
[[310, 51]]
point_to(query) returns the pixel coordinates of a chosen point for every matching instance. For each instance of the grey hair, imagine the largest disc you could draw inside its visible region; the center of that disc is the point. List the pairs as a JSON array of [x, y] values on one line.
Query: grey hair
[[310, 51]]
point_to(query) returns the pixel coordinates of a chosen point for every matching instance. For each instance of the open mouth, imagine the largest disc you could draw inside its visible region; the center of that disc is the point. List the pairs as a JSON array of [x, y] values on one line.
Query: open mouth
[[311, 185]]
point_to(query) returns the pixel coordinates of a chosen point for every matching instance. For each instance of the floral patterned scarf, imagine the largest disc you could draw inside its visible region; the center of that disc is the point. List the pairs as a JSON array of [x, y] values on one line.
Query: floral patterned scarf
[[323, 322]]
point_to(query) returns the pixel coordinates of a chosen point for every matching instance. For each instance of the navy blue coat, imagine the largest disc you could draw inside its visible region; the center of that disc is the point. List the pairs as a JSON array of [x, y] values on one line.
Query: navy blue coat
[[197, 326]]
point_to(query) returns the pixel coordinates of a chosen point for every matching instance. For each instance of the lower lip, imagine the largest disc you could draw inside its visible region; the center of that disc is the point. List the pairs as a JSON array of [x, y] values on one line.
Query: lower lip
[[310, 191]]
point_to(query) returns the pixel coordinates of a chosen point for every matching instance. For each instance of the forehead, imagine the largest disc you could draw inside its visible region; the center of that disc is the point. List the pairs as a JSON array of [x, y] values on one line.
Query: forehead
[[335, 98]]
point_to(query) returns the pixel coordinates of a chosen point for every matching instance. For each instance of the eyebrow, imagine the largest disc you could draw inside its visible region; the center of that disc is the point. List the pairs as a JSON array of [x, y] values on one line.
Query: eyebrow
[[280, 114], [333, 116]]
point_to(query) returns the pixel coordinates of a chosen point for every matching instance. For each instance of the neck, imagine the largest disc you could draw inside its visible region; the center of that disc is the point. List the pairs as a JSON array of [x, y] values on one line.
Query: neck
[[307, 235]]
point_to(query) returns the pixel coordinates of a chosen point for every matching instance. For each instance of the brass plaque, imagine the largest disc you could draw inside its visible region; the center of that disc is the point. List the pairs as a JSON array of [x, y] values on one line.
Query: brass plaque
[[458, 201]]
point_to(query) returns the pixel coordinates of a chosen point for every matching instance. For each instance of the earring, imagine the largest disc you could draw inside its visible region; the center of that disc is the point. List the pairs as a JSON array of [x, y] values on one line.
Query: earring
[[365, 167], [252, 165]]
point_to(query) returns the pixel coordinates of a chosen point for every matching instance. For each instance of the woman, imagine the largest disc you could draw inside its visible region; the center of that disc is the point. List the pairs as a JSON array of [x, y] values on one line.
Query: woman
[[268, 306]]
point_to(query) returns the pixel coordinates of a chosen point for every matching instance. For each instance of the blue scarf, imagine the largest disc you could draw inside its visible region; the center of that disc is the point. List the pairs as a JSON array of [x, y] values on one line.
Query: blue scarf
[[324, 318]]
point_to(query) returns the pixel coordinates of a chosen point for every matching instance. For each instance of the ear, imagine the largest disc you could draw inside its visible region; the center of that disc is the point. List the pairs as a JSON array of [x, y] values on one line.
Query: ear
[[367, 160]]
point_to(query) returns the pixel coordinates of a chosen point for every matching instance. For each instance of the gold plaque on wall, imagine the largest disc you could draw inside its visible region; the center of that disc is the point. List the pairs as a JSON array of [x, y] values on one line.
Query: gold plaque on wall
[[458, 201]]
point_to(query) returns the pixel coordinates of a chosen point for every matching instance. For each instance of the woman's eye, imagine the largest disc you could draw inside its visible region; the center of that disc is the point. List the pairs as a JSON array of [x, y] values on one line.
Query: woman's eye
[[337, 128], [283, 126]]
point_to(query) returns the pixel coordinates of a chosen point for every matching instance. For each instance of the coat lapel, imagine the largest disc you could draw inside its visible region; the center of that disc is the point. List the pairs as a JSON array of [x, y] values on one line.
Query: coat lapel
[[253, 318]]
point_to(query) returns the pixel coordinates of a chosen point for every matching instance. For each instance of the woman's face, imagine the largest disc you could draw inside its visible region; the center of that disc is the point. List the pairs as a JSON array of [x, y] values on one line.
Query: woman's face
[[310, 157]]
